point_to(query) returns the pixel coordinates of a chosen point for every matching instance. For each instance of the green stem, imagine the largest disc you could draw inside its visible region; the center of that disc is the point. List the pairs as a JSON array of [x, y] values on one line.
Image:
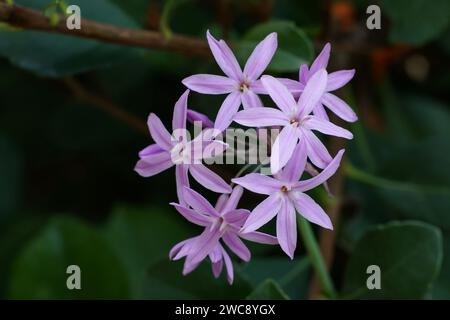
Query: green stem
[[315, 257]]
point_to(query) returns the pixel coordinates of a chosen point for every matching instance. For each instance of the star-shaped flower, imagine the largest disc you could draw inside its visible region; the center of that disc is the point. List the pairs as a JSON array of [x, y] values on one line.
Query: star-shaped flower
[[222, 222], [241, 86], [295, 120], [286, 194]]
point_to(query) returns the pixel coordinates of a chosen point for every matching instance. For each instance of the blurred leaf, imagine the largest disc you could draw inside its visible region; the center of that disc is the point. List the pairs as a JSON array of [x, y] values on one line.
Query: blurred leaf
[[40, 270], [409, 255], [10, 177], [268, 290], [291, 276], [416, 21], [165, 281], [441, 287], [294, 47], [57, 55]]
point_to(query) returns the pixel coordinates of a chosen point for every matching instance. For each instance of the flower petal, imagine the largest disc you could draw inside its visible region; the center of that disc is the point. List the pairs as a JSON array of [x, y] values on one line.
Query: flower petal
[[210, 84], [179, 112], [296, 165], [294, 87], [227, 111], [194, 116], [279, 94], [263, 213], [303, 73], [153, 164], [180, 250], [159, 133], [283, 147], [310, 210], [221, 201], [233, 200], [224, 57], [251, 100], [199, 203], [326, 173], [151, 150], [259, 237], [261, 57], [182, 181], [228, 265], [326, 127], [203, 245], [314, 90], [320, 112], [261, 117], [259, 183], [287, 228], [317, 152], [237, 246], [321, 62], [209, 179], [236, 217], [339, 79], [339, 107], [192, 216]]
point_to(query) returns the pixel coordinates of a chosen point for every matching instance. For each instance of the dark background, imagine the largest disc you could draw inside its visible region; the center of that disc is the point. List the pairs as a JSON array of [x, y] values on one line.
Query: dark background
[[69, 195]]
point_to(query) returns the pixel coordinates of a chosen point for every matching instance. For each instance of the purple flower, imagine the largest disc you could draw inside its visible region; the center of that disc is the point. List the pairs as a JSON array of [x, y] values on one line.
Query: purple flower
[[176, 150], [286, 194], [222, 222], [241, 86], [335, 81], [295, 120]]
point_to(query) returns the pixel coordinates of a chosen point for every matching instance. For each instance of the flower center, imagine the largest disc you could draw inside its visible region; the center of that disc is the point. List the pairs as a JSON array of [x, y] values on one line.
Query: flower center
[[294, 122], [284, 189], [244, 86]]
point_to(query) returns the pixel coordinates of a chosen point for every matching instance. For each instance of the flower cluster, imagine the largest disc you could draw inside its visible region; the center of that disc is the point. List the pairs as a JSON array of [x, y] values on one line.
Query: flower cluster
[[300, 110]]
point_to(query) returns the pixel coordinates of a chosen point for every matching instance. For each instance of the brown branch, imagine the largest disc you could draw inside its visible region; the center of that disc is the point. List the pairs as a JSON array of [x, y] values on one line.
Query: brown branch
[[108, 106], [21, 17]]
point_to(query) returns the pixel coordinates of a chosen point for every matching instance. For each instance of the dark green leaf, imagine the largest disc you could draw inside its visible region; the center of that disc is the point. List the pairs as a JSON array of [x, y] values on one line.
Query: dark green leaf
[[268, 290], [294, 47], [40, 270], [409, 255], [10, 177]]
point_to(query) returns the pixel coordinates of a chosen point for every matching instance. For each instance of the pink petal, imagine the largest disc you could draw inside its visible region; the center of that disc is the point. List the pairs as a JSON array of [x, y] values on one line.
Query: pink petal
[[236, 216], [153, 164], [192, 216], [263, 213], [259, 183], [150, 150], [217, 268], [261, 117], [180, 250], [182, 181], [194, 116], [228, 265], [314, 89], [319, 112], [339, 79], [326, 127], [224, 57], [233, 200], [283, 148], [250, 100], [209, 179], [296, 165], [310, 210], [199, 203], [294, 87], [279, 94], [317, 152], [237, 246], [259, 237], [257, 87], [287, 228], [221, 201], [159, 133], [203, 245], [303, 73], [227, 111], [321, 62], [261, 57], [179, 112], [210, 84], [339, 107], [326, 173]]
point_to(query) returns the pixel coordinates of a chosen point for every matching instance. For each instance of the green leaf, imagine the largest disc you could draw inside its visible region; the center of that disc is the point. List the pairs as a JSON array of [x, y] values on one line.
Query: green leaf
[[11, 177], [40, 270], [294, 47], [268, 290], [56, 55], [416, 22], [409, 255], [292, 276], [441, 287]]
